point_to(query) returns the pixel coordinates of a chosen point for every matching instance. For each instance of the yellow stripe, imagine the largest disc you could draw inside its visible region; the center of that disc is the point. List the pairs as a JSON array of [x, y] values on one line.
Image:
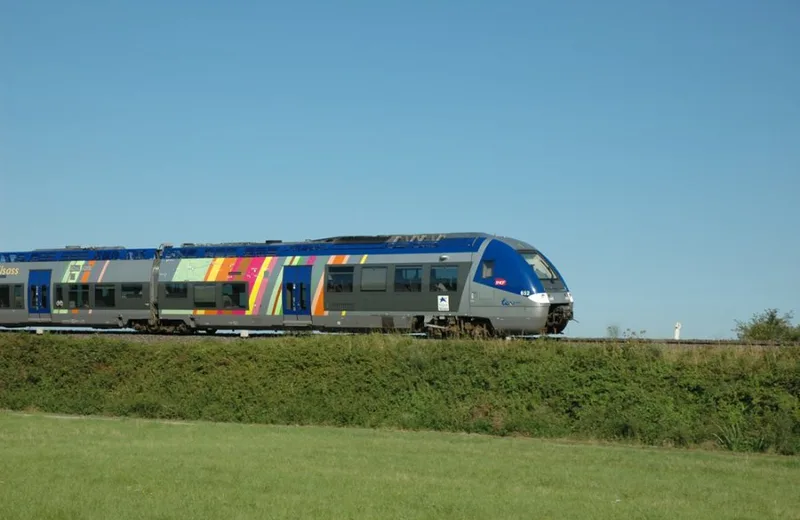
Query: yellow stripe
[[215, 267], [364, 258], [257, 286]]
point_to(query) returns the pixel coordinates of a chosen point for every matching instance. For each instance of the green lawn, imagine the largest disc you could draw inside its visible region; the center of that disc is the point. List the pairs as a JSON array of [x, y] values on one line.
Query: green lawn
[[56, 467]]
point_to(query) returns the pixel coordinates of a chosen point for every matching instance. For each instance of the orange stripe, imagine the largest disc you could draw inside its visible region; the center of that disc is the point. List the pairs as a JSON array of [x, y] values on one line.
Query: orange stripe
[[86, 274], [227, 264], [243, 268], [210, 268]]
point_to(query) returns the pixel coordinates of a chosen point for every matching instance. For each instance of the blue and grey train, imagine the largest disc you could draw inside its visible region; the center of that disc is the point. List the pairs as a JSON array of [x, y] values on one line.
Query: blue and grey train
[[473, 284]]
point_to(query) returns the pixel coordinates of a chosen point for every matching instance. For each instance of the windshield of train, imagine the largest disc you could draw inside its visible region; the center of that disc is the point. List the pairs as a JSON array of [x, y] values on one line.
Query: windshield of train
[[540, 266]]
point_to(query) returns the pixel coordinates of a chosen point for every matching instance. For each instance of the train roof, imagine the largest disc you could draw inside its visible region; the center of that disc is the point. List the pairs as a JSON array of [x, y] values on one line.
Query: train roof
[[344, 244]]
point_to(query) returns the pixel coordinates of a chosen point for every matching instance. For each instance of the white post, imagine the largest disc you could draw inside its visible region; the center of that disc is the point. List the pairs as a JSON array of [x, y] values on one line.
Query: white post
[[677, 334]]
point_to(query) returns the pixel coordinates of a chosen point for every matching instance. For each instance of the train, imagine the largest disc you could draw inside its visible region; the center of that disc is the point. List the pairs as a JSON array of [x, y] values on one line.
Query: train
[[446, 284]]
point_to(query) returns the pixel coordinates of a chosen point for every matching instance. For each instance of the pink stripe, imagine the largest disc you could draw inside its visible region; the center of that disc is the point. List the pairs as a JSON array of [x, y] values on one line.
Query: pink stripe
[[264, 284], [234, 268], [253, 269], [311, 260], [103, 272]]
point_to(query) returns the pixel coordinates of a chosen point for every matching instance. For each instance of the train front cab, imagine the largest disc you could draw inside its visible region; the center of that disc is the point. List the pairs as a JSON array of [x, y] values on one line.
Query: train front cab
[[520, 290], [552, 290]]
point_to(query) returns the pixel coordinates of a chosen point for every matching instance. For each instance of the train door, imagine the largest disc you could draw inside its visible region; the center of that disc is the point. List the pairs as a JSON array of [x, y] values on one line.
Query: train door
[[39, 296], [297, 295]]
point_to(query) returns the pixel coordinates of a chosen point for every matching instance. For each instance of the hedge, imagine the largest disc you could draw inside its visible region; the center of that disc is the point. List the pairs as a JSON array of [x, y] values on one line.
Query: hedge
[[737, 398]]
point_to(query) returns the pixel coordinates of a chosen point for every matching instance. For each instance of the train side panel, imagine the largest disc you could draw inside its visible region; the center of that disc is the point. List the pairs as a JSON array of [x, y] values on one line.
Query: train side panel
[[383, 291], [104, 293], [223, 292], [13, 298]]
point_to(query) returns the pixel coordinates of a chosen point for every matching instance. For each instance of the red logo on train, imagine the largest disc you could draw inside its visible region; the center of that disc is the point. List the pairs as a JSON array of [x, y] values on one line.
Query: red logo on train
[[499, 281]]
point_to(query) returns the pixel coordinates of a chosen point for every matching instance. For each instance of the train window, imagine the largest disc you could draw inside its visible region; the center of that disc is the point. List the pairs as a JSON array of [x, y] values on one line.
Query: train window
[[373, 278], [234, 296], [444, 279], [59, 299], [105, 296], [131, 291], [408, 279], [205, 295], [19, 297], [176, 290], [78, 296], [340, 279], [540, 266], [5, 296], [488, 269]]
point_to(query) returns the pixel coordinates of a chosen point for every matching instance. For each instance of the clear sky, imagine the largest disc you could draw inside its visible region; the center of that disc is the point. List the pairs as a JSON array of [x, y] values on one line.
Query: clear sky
[[650, 148]]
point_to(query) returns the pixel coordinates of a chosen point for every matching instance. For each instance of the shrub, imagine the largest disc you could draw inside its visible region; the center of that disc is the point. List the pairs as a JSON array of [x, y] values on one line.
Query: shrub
[[738, 398]]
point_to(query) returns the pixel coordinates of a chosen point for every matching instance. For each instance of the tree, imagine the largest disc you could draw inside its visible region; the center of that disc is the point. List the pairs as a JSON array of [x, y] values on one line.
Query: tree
[[612, 331], [768, 326]]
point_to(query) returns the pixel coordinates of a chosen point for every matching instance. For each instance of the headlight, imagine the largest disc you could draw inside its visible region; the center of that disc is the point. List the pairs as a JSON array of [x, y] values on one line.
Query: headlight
[[570, 298], [539, 298]]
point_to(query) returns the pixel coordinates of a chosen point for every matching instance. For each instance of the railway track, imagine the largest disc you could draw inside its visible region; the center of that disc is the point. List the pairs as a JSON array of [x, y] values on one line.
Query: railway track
[[229, 336]]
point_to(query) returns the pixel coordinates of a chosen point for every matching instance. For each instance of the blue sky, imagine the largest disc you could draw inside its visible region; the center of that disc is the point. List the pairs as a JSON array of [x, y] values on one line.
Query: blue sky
[[651, 149]]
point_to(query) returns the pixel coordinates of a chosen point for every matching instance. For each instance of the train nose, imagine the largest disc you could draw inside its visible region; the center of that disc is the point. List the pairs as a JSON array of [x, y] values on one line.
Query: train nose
[[541, 298], [544, 298]]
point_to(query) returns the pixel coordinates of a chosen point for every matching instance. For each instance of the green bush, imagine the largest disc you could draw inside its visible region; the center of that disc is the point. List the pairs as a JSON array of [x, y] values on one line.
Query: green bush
[[738, 398]]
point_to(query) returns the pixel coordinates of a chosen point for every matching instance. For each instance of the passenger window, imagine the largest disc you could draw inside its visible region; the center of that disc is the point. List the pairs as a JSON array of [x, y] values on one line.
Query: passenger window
[[488, 269], [303, 296], [444, 279], [205, 296], [408, 279], [78, 296], [19, 297], [234, 296], [5, 297], [176, 290], [289, 292], [104, 296], [131, 291], [373, 279], [340, 279]]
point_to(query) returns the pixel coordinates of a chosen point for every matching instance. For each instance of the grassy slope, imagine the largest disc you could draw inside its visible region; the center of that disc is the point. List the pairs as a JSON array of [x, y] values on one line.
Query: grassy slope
[[744, 398], [52, 468]]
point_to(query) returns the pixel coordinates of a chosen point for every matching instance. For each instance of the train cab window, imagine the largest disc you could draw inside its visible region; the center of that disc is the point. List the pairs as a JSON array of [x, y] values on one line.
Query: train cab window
[[78, 296], [487, 269], [340, 279], [408, 279], [5, 296], [373, 278], [19, 297], [444, 279], [205, 296], [234, 296], [176, 290], [131, 291], [104, 296]]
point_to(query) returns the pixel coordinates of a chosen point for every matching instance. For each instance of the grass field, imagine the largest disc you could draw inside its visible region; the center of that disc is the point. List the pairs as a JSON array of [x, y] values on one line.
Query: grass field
[[61, 467]]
